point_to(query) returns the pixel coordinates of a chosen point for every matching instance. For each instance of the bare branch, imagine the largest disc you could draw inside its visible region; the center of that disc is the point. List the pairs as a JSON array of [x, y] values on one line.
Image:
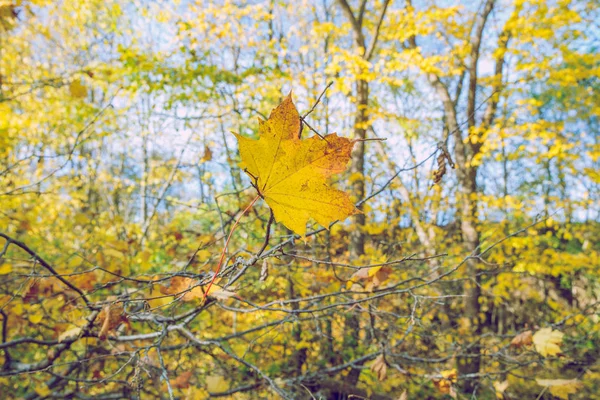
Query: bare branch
[[44, 264], [375, 36]]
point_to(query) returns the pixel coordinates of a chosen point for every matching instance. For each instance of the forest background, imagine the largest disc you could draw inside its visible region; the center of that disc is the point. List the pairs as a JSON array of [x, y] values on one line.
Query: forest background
[[470, 272]]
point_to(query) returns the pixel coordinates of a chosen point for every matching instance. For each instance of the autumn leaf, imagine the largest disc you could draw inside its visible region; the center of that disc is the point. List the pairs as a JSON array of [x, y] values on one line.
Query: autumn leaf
[[42, 390], [182, 381], [373, 277], [207, 156], [184, 287], [445, 384], [216, 384], [77, 89], [36, 317], [522, 339], [561, 388], [219, 293], [500, 388], [379, 367], [188, 289], [547, 342], [111, 317], [5, 269], [69, 334], [291, 173]]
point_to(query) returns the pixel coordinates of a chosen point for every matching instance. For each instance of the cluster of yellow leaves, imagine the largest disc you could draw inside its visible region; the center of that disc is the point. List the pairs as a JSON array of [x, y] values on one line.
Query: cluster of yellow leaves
[[291, 174], [546, 341]]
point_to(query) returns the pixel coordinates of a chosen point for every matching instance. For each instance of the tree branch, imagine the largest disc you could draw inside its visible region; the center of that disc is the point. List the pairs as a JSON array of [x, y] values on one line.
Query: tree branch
[[359, 38], [369, 52], [481, 20], [44, 264]]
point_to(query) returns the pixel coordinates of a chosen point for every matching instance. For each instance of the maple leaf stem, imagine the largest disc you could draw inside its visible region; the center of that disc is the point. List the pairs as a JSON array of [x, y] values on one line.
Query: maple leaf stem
[[222, 258]]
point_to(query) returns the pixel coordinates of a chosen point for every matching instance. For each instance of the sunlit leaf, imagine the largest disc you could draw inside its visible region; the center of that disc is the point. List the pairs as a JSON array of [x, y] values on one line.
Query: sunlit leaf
[[291, 173], [547, 341]]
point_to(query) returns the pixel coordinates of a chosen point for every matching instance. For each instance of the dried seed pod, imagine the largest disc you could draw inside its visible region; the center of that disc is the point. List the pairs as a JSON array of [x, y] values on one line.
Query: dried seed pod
[[441, 161], [111, 316], [439, 173]]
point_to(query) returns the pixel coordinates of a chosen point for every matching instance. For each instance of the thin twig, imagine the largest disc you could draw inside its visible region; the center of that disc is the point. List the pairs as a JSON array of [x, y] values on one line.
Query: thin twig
[[267, 234], [318, 100], [237, 221]]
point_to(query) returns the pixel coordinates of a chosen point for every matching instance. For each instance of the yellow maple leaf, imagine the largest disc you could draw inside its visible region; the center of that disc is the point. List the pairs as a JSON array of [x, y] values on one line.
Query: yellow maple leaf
[[547, 342], [291, 174], [561, 388]]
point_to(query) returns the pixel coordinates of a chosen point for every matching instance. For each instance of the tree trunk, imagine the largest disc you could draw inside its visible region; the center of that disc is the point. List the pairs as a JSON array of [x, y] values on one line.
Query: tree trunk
[[357, 236], [472, 289]]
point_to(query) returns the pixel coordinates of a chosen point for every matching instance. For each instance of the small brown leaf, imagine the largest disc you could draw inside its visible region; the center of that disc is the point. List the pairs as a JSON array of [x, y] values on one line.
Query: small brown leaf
[[184, 287], [207, 156], [220, 293], [361, 274], [111, 316], [522, 339], [403, 396], [182, 381], [381, 276], [379, 367], [373, 277]]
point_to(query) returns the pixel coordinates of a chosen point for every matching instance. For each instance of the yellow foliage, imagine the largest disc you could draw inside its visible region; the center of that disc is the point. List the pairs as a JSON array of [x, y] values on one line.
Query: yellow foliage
[[561, 388]]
